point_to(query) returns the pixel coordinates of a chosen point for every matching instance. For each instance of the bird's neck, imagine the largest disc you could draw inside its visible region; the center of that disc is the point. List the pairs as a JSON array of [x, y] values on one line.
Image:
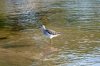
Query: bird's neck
[[43, 27]]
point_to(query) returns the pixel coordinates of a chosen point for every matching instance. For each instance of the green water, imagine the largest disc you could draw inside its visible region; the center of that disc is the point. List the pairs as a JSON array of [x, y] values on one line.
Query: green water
[[77, 21]]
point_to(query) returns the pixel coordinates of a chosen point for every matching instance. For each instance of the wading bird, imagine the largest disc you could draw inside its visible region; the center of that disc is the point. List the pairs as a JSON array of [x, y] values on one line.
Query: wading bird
[[49, 33]]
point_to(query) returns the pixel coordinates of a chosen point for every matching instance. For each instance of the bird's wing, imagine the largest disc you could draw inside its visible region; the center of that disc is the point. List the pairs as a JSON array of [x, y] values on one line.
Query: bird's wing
[[51, 32]]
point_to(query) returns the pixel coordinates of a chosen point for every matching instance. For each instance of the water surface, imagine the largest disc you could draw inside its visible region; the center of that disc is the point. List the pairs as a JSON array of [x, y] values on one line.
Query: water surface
[[77, 20]]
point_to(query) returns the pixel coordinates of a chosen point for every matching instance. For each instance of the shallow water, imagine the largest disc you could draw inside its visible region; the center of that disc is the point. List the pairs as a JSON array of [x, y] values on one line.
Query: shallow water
[[77, 21], [77, 47]]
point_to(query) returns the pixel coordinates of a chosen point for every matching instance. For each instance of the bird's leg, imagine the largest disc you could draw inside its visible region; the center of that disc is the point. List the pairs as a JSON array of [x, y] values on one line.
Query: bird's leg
[[52, 49], [50, 43]]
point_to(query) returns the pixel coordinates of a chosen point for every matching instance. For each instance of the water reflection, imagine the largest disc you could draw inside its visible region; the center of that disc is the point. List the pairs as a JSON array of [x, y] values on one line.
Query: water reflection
[[77, 20]]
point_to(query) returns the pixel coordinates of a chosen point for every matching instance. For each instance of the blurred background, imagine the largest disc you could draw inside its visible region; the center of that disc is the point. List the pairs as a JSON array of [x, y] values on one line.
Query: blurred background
[[21, 41]]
